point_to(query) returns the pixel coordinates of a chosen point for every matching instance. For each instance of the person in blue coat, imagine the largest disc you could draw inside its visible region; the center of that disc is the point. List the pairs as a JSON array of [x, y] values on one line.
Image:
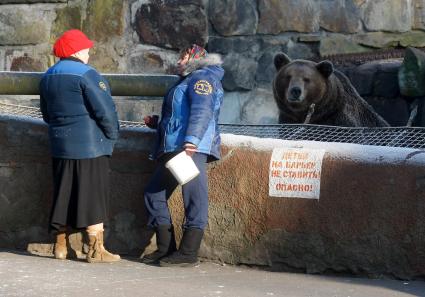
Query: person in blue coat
[[76, 103], [188, 122]]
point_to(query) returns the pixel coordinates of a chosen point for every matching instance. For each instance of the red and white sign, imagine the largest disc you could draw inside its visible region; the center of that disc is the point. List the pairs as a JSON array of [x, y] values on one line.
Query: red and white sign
[[295, 173]]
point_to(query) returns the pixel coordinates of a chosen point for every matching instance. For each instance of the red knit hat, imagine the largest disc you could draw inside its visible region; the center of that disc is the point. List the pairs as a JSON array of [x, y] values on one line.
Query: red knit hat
[[70, 42]]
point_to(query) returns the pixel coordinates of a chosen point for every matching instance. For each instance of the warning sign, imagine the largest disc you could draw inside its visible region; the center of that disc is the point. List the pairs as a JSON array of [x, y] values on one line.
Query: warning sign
[[295, 173]]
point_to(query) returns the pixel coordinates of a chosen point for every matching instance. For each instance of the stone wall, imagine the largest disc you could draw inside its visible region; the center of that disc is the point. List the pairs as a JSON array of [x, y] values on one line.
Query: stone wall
[[143, 36], [369, 218]]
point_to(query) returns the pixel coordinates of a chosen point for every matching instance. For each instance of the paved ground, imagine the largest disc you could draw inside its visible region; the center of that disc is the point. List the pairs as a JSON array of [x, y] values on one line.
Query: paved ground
[[28, 275]]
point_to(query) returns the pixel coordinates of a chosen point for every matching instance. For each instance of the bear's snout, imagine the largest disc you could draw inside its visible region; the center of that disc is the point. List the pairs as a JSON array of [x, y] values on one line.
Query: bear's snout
[[295, 94]]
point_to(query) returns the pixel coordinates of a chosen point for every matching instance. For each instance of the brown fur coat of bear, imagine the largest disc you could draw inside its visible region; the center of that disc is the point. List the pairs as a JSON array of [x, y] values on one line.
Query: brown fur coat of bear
[[316, 93]]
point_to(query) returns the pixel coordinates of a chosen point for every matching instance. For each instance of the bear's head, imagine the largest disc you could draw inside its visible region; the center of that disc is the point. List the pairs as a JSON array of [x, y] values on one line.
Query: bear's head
[[300, 83]]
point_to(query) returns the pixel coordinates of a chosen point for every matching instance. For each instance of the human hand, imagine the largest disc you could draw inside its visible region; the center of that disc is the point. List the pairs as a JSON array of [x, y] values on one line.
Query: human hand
[[190, 148], [151, 121]]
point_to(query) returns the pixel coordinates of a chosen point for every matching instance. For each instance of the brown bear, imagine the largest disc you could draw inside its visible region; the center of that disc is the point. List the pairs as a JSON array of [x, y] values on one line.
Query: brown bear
[[316, 93]]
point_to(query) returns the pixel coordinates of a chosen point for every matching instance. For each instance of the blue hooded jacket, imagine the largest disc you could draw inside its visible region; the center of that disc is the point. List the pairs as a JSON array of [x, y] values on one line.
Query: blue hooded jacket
[[190, 110], [76, 103]]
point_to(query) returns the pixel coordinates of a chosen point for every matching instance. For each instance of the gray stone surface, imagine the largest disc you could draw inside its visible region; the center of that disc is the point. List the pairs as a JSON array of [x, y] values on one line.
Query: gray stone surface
[[145, 59], [378, 39], [25, 275], [260, 108], [419, 14], [239, 72], [376, 15], [288, 15], [25, 25], [340, 16], [175, 25], [30, 1], [339, 44], [234, 17]]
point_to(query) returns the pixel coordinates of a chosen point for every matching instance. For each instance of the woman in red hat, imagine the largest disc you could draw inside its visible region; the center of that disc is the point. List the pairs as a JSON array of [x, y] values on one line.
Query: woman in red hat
[[76, 103]]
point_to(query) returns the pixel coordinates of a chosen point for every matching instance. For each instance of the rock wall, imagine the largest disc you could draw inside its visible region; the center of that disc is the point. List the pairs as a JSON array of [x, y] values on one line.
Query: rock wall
[[369, 218], [143, 36]]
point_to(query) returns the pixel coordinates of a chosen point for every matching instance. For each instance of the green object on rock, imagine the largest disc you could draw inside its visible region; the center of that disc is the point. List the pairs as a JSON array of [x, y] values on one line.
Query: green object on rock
[[411, 75]]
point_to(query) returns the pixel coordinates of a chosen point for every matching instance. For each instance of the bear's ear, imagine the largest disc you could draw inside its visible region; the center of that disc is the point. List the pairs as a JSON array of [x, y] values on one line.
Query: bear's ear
[[325, 68], [281, 60]]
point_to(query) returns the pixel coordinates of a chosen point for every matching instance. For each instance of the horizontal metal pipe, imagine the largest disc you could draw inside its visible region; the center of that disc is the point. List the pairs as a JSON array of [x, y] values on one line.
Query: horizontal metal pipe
[[26, 83]]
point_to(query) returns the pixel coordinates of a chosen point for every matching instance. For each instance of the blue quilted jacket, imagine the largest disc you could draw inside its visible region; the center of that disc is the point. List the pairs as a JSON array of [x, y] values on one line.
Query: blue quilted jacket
[[190, 113], [76, 103]]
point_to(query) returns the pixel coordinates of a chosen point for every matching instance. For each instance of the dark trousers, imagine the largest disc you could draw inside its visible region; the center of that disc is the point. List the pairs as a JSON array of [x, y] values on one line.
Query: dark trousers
[[195, 195]]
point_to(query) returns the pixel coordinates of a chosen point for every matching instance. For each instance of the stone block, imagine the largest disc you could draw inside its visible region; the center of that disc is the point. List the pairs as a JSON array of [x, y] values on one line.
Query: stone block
[[31, 1], [376, 12], [260, 108], [412, 39], [230, 17], [25, 25], [28, 58], [297, 50], [378, 39], [288, 15], [266, 69], [152, 60], [340, 16], [66, 18], [419, 14], [104, 20], [248, 46], [239, 72], [339, 44], [172, 24]]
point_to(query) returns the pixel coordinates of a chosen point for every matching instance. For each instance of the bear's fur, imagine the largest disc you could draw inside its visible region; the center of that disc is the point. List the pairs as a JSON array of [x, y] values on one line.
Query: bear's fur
[[316, 93]]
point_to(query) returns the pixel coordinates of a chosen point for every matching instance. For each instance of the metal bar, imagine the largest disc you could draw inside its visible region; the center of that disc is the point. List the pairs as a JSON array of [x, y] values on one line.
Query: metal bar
[[26, 83]]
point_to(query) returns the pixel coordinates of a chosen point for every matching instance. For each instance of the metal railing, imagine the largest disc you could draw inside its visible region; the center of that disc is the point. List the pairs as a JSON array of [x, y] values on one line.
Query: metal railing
[[26, 83]]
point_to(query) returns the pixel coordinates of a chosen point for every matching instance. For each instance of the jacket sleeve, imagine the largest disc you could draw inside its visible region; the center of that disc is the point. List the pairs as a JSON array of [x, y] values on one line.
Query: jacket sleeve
[[43, 104], [99, 102], [201, 103]]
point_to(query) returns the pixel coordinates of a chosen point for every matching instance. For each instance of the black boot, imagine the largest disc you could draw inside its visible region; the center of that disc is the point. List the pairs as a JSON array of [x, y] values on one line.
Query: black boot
[[187, 255], [165, 242]]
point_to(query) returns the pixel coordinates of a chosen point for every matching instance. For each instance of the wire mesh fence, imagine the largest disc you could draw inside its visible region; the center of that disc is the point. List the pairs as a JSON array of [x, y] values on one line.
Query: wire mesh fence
[[409, 137]]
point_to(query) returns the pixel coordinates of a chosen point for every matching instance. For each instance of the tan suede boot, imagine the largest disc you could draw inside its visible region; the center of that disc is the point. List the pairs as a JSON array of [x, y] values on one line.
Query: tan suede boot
[[97, 252], [60, 246]]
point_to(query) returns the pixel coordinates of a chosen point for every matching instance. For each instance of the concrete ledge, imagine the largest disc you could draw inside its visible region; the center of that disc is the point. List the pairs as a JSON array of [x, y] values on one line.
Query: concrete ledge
[[370, 218]]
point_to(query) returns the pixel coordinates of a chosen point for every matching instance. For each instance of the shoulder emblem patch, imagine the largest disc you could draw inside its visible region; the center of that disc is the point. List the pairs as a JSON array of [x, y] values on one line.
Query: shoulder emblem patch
[[102, 85], [203, 87]]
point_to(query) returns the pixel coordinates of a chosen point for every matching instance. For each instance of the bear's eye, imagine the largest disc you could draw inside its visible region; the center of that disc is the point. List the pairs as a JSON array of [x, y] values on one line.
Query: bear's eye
[[287, 77], [306, 80]]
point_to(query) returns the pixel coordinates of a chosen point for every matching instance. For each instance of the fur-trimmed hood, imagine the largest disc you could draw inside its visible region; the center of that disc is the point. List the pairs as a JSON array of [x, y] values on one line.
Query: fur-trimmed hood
[[209, 60]]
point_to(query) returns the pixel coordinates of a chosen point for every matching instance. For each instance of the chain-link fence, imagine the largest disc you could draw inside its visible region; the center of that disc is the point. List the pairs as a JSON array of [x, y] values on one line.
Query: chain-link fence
[[411, 137]]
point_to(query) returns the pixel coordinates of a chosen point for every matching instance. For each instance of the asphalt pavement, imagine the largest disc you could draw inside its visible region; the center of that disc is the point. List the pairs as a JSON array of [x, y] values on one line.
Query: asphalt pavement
[[23, 274]]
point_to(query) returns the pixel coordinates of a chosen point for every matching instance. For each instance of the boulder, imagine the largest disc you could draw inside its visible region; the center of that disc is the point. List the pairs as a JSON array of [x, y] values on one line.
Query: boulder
[[172, 24], [411, 76], [233, 17]]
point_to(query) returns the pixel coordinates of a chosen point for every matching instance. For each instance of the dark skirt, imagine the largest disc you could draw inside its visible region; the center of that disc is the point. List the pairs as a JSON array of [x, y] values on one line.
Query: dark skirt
[[81, 192]]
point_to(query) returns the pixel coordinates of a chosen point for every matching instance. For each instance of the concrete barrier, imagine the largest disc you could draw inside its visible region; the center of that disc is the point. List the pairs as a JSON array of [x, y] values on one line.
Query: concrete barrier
[[370, 218]]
